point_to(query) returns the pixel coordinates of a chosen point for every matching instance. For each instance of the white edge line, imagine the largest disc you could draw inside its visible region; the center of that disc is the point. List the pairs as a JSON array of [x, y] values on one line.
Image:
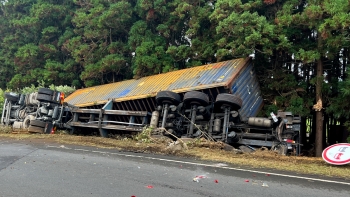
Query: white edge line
[[208, 165]]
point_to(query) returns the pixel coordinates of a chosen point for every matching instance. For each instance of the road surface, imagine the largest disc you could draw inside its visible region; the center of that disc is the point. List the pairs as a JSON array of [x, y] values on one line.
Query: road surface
[[57, 170]]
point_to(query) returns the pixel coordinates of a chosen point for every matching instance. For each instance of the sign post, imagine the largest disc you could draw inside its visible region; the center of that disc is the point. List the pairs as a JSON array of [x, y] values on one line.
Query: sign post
[[337, 154]]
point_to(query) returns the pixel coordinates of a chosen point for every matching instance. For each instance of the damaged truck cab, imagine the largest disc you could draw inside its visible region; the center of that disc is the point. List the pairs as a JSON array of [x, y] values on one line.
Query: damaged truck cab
[[40, 112]]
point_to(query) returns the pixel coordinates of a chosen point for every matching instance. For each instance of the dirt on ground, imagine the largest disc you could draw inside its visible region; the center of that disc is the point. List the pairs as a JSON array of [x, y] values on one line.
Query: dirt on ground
[[201, 149]]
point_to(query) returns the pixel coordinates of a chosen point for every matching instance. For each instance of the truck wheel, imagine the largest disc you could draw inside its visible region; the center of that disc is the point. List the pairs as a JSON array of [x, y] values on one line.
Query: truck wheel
[[34, 129], [22, 98], [196, 98], [45, 91], [38, 123], [12, 96], [56, 97], [280, 148], [27, 120], [168, 97], [31, 99], [228, 100], [44, 98]]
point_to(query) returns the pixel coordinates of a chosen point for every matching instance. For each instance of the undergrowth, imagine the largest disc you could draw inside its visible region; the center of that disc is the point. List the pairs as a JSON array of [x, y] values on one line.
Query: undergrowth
[[5, 129]]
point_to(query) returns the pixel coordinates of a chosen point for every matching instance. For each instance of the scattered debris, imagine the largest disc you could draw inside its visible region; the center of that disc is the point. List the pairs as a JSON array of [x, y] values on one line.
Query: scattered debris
[[254, 182], [175, 146], [246, 149], [197, 178], [264, 185], [228, 147]]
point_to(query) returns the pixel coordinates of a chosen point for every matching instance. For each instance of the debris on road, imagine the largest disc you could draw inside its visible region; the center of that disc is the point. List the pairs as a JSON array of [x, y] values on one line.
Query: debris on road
[[264, 185], [216, 181], [246, 181], [197, 178], [149, 186]]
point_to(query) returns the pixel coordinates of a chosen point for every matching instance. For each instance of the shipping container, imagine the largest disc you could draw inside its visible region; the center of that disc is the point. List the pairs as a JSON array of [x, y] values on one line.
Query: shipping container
[[234, 76]]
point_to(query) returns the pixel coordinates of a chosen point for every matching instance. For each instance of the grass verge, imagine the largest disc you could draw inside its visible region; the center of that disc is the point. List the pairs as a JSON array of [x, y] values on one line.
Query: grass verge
[[199, 149]]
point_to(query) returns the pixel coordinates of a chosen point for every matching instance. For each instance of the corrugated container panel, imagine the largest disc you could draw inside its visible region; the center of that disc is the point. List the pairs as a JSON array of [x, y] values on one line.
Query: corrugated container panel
[[196, 78], [247, 87]]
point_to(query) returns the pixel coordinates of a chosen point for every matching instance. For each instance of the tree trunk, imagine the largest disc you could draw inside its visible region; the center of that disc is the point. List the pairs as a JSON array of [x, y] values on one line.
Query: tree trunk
[[319, 112]]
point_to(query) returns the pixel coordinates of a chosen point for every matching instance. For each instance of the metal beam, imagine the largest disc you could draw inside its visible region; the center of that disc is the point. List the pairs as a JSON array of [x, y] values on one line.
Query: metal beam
[[106, 126], [110, 112], [255, 142], [104, 117]]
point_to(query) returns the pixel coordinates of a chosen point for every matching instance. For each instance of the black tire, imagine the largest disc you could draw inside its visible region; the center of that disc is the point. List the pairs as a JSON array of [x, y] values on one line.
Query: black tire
[[38, 123], [196, 98], [45, 91], [44, 98], [34, 129], [31, 99], [168, 97], [22, 98], [228, 100], [56, 97], [11, 96], [281, 148]]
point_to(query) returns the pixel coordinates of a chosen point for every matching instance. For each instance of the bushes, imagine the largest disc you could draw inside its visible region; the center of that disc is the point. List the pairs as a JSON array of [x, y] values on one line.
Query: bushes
[[67, 90]]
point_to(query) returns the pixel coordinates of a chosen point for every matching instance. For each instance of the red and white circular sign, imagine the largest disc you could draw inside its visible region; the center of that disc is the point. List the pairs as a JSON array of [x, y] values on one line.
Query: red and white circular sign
[[337, 154]]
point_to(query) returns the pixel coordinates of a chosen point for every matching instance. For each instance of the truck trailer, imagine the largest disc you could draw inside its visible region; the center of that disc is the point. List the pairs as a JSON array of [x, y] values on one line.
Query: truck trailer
[[219, 101]]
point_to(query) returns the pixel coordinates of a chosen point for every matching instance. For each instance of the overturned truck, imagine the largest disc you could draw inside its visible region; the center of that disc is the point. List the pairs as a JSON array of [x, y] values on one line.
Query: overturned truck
[[219, 101], [40, 112]]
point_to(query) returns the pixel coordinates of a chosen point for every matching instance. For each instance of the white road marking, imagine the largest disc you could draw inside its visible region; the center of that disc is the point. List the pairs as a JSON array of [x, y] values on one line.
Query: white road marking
[[99, 152], [209, 165], [82, 150]]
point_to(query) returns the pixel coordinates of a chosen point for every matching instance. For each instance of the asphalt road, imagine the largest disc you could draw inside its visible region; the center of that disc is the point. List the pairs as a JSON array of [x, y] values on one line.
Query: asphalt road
[[56, 170]]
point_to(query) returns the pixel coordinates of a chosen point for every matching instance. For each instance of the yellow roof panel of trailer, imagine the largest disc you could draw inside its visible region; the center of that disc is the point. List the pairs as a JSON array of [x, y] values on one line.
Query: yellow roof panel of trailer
[[195, 78]]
